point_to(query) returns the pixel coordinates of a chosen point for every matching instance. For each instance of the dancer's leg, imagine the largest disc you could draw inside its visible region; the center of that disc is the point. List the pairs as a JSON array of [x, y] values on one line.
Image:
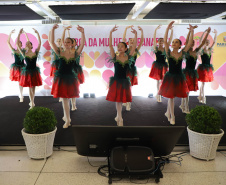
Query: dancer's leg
[[21, 93], [73, 104], [157, 96], [33, 91], [171, 105], [66, 107], [182, 106], [128, 106], [167, 114], [203, 95], [31, 97], [200, 93], [158, 87], [119, 113], [187, 104]]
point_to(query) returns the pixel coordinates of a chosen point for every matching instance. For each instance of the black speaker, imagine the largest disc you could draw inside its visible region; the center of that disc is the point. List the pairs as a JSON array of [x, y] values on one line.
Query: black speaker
[[85, 95], [132, 160], [92, 95]]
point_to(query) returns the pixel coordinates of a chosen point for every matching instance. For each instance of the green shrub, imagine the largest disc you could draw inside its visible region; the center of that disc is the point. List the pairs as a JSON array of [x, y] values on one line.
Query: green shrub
[[204, 119], [39, 120]]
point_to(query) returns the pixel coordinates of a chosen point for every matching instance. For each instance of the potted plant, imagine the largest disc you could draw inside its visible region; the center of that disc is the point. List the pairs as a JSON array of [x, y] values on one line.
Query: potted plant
[[39, 132], [204, 131]]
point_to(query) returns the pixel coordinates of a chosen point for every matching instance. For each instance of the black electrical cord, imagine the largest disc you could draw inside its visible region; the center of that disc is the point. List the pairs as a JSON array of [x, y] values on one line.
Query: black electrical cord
[[60, 149]]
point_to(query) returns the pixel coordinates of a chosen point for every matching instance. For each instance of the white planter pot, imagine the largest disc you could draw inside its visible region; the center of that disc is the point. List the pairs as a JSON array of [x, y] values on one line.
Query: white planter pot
[[39, 145], [203, 146]]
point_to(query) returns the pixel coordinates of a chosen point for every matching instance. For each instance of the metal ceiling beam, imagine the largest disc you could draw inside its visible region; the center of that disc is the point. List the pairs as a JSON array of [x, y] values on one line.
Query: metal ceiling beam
[[140, 10], [40, 7]]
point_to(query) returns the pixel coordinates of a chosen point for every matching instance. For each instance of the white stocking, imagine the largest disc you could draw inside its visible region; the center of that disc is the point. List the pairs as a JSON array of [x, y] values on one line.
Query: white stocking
[[31, 97], [158, 84], [33, 91], [203, 84], [158, 96], [66, 109], [119, 110], [73, 104], [119, 114], [182, 103], [171, 106], [21, 92], [167, 114], [187, 103]]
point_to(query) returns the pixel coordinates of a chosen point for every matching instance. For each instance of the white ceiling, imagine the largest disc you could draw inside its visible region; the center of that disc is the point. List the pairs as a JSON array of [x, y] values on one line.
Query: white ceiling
[[135, 17]]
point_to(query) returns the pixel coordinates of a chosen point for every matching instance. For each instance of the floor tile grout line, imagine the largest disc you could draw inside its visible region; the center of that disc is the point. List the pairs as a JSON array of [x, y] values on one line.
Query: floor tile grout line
[[41, 171]]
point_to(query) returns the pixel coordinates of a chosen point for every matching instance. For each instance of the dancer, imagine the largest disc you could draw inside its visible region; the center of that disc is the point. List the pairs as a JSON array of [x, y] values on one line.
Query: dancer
[[30, 75], [159, 67], [174, 83], [55, 62], [190, 72], [66, 84], [119, 85], [205, 70], [132, 71], [16, 67], [77, 67]]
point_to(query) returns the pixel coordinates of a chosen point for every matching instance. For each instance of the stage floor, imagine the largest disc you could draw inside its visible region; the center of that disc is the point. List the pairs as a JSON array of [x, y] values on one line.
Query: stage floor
[[97, 111]]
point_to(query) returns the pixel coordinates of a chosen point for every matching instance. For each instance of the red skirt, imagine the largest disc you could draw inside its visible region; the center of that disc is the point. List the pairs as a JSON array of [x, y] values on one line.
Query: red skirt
[[30, 78], [205, 73], [81, 77], [62, 89], [191, 79], [119, 90], [133, 79], [158, 70], [15, 73], [174, 85], [53, 68]]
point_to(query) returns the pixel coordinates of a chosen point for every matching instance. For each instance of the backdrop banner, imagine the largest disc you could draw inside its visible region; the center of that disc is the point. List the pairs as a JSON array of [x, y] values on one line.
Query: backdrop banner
[[94, 58]]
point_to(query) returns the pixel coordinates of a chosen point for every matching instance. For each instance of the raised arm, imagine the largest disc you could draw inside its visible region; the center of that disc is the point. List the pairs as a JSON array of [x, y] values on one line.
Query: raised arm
[[142, 38], [63, 35], [171, 36], [49, 37], [187, 39], [26, 35], [68, 33], [188, 35], [204, 40], [166, 36], [39, 41], [8, 41], [154, 37], [189, 44], [134, 43], [17, 43], [124, 34], [215, 38], [200, 40], [81, 46], [112, 52], [52, 43]]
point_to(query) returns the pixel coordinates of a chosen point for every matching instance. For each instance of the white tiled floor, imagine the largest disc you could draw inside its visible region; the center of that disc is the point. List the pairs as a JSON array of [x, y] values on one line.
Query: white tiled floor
[[68, 168]]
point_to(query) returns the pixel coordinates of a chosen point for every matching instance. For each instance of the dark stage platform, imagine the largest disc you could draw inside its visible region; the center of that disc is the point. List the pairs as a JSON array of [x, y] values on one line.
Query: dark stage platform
[[97, 111]]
